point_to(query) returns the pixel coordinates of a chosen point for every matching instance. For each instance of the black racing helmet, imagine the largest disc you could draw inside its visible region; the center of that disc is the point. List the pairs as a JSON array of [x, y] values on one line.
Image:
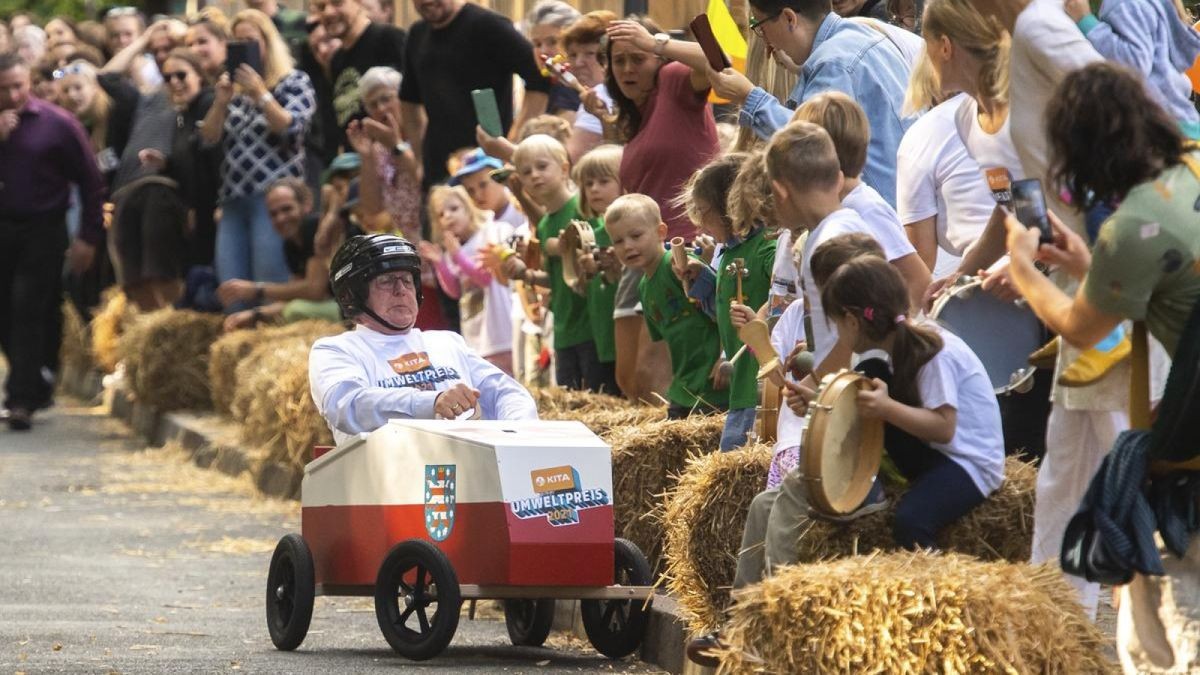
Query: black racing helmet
[[362, 258]]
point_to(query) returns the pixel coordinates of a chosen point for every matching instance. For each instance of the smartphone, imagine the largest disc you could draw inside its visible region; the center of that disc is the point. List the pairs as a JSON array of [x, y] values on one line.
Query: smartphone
[[502, 175], [702, 30], [1029, 203], [238, 52], [487, 112]]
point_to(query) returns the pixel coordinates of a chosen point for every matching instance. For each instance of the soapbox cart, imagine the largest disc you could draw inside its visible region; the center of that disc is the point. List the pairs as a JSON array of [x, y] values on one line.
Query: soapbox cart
[[422, 515]]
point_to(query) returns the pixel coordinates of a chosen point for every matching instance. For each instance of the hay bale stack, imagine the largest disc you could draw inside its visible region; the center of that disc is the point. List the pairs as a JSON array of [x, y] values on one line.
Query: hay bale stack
[[229, 350], [76, 350], [703, 517], [601, 413], [912, 613], [647, 458], [554, 401], [999, 529], [273, 403], [107, 326], [166, 357]]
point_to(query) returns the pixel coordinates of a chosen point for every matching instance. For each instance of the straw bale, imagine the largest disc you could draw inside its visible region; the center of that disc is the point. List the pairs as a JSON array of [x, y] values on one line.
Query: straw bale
[[647, 458], [912, 613], [553, 401], [76, 350], [229, 350], [166, 357], [273, 404], [1001, 528], [705, 513], [601, 413], [108, 325], [703, 517]]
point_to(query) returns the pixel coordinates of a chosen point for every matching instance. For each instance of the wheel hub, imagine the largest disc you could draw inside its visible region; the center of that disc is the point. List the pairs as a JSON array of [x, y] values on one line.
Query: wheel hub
[[281, 592]]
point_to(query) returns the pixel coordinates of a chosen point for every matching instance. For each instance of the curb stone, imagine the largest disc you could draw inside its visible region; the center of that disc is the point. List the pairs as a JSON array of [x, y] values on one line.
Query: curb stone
[[666, 634]]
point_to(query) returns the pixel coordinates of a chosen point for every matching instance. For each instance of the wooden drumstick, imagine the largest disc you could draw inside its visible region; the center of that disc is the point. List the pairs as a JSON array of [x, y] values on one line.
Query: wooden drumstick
[[679, 255], [757, 336]]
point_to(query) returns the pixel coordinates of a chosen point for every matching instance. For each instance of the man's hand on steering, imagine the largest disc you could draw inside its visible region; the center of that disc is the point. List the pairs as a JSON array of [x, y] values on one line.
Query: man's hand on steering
[[453, 402]]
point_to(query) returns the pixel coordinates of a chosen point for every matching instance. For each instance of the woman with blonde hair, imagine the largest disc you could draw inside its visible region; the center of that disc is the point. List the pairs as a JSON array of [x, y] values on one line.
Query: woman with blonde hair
[[942, 199], [485, 303], [207, 35], [262, 120]]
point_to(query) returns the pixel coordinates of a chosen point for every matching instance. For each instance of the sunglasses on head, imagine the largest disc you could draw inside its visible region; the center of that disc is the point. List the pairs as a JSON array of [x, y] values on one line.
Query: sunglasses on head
[[121, 11], [70, 69]]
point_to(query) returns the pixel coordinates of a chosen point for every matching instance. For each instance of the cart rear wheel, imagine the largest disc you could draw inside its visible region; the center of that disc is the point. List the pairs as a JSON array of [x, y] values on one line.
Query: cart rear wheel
[[290, 590], [417, 599], [615, 627], [529, 621]]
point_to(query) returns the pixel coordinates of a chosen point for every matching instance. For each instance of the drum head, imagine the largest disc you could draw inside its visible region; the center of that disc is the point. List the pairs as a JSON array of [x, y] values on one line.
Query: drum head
[[1002, 334], [842, 451]]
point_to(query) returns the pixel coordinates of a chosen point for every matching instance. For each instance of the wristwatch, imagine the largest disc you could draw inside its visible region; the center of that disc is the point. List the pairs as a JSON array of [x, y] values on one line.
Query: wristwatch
[[660, 43]]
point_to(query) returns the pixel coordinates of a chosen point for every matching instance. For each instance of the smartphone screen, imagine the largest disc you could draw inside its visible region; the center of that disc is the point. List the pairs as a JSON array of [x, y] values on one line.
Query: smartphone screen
[[487, 112], [238, 52], [1029, 203]]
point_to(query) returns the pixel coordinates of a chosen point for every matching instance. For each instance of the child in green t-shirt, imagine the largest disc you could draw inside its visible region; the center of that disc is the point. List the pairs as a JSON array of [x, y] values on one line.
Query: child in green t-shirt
[[635, 224], [743, 275], [544, 169], [597, 174]]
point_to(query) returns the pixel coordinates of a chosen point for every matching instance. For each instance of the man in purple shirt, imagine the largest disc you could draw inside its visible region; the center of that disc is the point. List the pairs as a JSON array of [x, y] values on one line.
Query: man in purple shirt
[[43, 150]]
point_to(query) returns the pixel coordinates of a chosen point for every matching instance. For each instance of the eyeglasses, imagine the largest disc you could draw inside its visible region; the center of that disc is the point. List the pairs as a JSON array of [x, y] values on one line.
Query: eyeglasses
[[394, 282], [756, 25], [180, 75]]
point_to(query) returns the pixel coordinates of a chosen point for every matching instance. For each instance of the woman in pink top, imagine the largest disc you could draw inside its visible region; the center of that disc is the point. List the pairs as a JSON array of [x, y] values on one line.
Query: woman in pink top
[[664, 116]]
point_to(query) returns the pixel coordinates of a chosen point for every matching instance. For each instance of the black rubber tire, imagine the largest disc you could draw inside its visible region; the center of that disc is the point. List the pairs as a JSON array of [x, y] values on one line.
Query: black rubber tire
[[290, 592], [427, 569], [616, 627], [529, 621]]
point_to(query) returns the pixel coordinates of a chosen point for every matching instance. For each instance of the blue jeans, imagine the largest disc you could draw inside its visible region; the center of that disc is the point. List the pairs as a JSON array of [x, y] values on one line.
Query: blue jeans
[[248, 247], [737, 427]]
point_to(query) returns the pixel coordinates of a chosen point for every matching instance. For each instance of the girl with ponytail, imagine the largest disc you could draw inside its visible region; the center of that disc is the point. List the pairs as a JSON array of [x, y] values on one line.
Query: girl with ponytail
[[942, 422]]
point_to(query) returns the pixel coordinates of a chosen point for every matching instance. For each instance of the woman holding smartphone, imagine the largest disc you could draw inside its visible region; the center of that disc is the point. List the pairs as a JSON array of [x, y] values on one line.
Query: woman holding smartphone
[[261, 119], [1110, 142]]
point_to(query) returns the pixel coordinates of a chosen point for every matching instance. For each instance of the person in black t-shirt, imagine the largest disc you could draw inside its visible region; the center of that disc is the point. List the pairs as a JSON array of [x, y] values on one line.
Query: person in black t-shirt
[[306, 294], [455, 48], [364, 46]]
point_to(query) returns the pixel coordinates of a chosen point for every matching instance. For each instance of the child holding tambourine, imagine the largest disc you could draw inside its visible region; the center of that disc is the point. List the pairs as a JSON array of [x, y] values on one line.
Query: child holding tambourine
[[942, 422]]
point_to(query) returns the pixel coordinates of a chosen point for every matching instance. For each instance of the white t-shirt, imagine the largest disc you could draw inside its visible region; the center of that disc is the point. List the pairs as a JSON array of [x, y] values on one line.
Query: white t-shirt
[[787, 332], [956, 377], [486, 313], [881, 218], [1046, 47], [842, 221], [994, 153], [784, 276], [936, 176], [361, 379], [587, 121]]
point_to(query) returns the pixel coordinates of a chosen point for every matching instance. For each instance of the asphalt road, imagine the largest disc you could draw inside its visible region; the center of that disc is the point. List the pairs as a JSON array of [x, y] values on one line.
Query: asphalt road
[[118, 559]]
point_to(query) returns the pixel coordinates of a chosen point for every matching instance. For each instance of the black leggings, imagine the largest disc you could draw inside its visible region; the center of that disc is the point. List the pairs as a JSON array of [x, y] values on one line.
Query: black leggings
[[939, 490]]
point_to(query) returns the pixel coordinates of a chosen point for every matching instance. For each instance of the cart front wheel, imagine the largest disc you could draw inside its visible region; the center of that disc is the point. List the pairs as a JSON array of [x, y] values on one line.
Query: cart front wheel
[[529, 621], [417, 599], [290, 590], [615, 627]]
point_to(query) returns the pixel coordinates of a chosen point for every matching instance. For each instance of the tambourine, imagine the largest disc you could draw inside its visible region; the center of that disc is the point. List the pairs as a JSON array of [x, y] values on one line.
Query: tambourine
[[576, 240], [840, 450]]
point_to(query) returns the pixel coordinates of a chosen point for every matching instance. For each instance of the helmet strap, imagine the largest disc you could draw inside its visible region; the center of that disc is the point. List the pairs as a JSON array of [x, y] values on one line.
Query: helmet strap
[[386, 324]]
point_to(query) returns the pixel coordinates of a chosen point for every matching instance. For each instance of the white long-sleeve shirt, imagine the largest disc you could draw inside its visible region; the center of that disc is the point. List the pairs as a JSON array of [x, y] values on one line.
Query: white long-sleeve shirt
[[361, 379]]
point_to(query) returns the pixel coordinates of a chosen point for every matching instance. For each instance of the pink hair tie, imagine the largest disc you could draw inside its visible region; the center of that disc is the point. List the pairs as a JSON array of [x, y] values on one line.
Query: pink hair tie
[[869, 313], [900, 318]]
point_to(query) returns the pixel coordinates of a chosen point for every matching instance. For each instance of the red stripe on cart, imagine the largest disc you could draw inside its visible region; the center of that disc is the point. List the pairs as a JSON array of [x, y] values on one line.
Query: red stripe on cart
[[488, 545]]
